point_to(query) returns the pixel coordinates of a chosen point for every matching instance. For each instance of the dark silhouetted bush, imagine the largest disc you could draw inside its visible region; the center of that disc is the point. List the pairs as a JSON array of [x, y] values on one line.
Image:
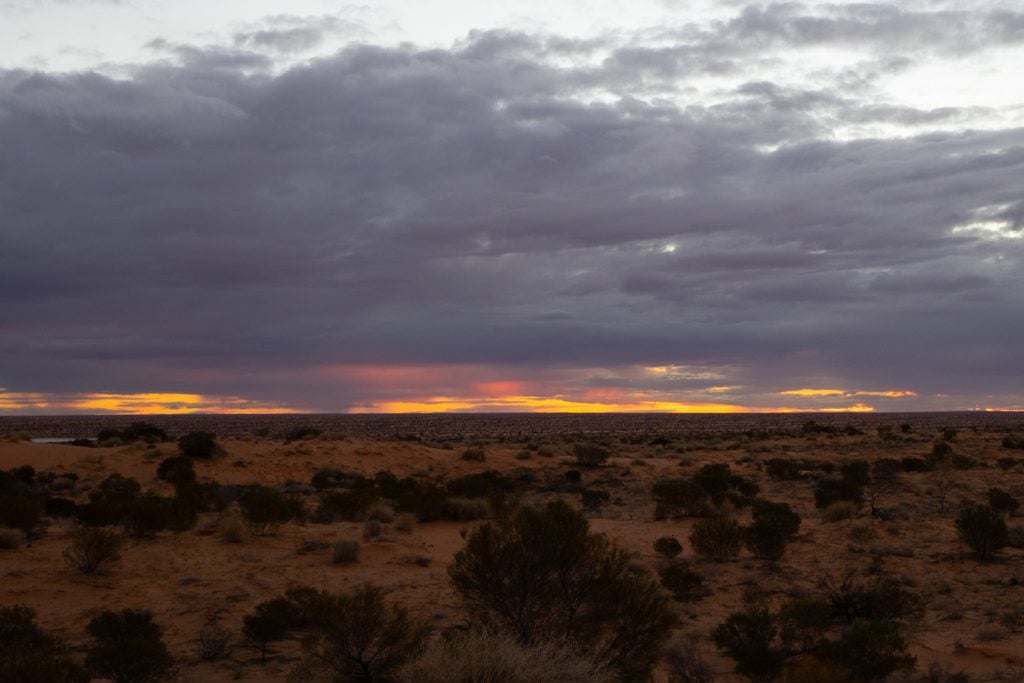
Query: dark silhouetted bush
[[300, 433], [110, 502], [176, 470], [717, 538], [148, 514], [830, 491], [774, 526], [804, 623], [679, 498], [349, 506], [1013, 441], [474, 455], [870, 651], [541, 574], [681, 581], [269, 622], [128, 647], [589, 455], [668, 547], [31, 655], [198, 445], [983, 529], [685, 665], [22, 509], [332, 478], [882, 598], [136, 431], [60, 508], [1002, 502], [265, 509], [91, 549], [748, 637]]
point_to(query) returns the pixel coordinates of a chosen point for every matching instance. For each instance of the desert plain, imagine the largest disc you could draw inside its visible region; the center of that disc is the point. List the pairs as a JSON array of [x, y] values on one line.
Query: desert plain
[[970, 625]]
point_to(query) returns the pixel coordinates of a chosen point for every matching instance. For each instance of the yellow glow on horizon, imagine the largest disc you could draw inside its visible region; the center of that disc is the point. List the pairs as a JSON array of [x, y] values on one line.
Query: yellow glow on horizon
[[146, 403], [845, 393], [540, 404]]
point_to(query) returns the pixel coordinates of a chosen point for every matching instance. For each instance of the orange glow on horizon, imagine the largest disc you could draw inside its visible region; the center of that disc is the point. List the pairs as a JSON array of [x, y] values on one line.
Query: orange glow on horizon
[[146, 403]]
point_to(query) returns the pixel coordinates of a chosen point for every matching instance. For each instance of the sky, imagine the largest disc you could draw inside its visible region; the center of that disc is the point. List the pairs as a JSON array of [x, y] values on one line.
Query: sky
[[401, 206]]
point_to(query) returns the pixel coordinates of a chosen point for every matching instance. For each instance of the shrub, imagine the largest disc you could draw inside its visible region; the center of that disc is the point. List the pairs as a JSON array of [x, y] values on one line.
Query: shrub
[[110, 502], [176, 470], [23, 510], [264, 509], [491, 656], [668, 547], [778, 469], [405, 523], [357, 635], [748, 637], [983, 529], [870, 651], [515, 574], [803, 623], [30, 654], [128, 647], [881, 599], [474, 455], [91, 549], [839, 511], [717, 538], [148, 514], [332, 478], [213, 641], [11, 539], [372, 530], [1002, 502], [61, 508], [685, 665], [301, 433], [270, 621], [136, 431], [1013, 441], [589, 455], [594, 499], [380, 511], [466, 508], [679, 498], [829, 491], [349, 506], [200, 445], [683, 582], [346, 552], [773, 527], [231, 526]]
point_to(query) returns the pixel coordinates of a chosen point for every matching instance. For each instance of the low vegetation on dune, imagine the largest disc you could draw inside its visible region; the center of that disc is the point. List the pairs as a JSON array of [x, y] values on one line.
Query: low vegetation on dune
[[799, 552]]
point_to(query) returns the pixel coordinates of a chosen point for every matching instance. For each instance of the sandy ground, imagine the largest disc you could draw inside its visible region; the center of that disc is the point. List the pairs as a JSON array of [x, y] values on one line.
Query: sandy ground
[[185, 577]]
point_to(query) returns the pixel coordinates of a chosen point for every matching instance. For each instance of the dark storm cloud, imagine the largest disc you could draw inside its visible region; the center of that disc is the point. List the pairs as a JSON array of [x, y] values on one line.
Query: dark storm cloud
[[209, 223]]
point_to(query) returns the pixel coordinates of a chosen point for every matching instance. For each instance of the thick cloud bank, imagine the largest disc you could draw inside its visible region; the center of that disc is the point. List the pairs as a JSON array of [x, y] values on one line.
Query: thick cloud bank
[[563, 216]]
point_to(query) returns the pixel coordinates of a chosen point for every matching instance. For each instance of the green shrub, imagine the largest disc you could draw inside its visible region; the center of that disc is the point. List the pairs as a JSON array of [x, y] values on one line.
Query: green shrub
[[668, 547], [681, 581], [128, 647], [717, 538], [91, 549], [983, 529], [30, 654], [513, 574], [199, 445]]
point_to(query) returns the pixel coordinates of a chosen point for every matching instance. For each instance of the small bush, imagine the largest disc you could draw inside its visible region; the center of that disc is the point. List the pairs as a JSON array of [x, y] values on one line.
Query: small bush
[[668, 547], [589, 455], [983, 529], [91, 549], [491, 656], [176, 470], [270, 621], [774, 526], [346, 552], [466, 508], [684, 583], [685, 665], [1013, 441], [264, 509], [23, 510], [148, 514], [1002, 502], [302, 433], [870, 651], [474, 455], [405, 523], [839, 511], [11, 539], [717, 538], [372, 530], [128, 647], [381, 512], [199, 445], [748, 637], [231, 526], [679, 498], [213, 641], [830, 491], [30, 654]]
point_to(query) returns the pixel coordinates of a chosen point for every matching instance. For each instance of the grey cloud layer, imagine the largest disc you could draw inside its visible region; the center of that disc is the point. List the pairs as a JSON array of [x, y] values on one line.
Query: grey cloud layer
[[395, 205]]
